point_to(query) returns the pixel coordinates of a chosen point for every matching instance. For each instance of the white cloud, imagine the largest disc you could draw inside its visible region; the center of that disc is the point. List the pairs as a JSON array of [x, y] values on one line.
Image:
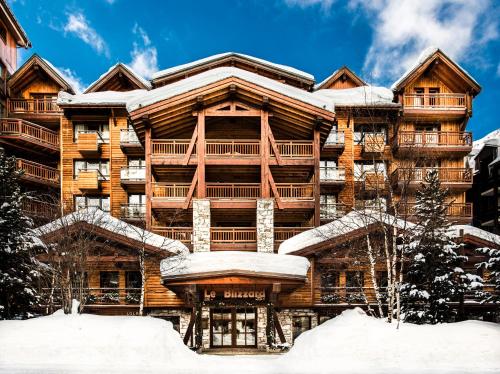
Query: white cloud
[[80, 27], [144, 54], [325, 4], [74, 80], [498, 70], [403, 28]]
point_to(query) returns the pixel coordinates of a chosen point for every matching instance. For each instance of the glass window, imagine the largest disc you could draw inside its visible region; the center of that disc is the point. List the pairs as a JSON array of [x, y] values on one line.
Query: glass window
[[137, 162], [101, 202], [354, 279], [361, 131], [137, 199], [102, 129], [108, 279], [133, 279], [361, 168], [101, 165], [300, 324]]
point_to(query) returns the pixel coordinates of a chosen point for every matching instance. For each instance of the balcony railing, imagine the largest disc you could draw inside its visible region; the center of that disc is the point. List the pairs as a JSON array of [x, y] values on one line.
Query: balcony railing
[[446, 175], [33, 106], [453, 210], [133, 211], [295, 191], [182, 234], [335, 138], [374, 142], [176, 147], [436, 101], [233, 235], [351, 295], [128, 137], [133, 174], [331, 211], [38, 172], [434, 139], [38, 208], [283, 233], [30, 132], [170, 191], [331, 174], [233, 190], [294, 148], [232, 148]]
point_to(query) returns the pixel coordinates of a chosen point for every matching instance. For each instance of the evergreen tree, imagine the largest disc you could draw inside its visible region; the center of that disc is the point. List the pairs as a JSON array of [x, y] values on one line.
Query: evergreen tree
[[434, 276], [19, 269], [492, 265]]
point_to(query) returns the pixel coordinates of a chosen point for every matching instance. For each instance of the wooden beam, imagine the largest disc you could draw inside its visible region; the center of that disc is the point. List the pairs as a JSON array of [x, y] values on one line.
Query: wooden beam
[[189, 331], [185, 161], [277, 325], [276, 150], [264, 153], [200, 151], [316, 153], [191, 190], [275, 190], [148, 187]]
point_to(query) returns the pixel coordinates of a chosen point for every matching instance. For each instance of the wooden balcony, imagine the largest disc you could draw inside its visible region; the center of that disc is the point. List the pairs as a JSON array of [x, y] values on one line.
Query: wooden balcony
[[335, 143], [296, 191], [129, 142], [133, 212], [438, 104], [234, 191], [182, 234], [170, 191], [89, 180], [112, 296], [132, 175], [371, 182], [433, 142], [332, 211], [332, 176], [454, 178], [374, 143], [40, 209], [232, 148], [88, 143], [170, 148], [283, 233], [33, 106], [294, 148], [29, 135], [456, 212], [38, 173], [231, 238]]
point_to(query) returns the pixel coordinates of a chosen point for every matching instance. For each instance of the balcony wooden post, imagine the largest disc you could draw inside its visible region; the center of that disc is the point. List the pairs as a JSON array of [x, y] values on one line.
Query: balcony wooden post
[[264, 154], [200, 151], [316, 153], [147, 141]]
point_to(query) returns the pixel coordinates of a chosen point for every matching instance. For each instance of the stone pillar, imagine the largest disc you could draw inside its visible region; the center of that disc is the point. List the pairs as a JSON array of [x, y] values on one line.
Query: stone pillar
[[265, 225], [201, 225], [261, 327]]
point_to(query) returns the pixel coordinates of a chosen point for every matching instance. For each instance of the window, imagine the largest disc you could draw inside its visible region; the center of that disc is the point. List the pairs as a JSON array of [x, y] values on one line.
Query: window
[[328, 170], [330, 285], [136, 162], [108, 280], [137, 199], [434, 96], [361, 168], [300, 324], [362, 131], [379, 204], [102, 129], [133, 283], [418, 99], [101, 165], [354, 279], [101, 202]]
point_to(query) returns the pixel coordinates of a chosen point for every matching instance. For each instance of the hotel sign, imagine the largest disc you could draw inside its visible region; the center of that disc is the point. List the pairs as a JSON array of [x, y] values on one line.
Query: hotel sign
[[234, 294]]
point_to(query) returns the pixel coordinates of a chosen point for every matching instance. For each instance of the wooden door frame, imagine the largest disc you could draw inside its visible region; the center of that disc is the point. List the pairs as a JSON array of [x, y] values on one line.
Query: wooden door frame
[[233, 326]]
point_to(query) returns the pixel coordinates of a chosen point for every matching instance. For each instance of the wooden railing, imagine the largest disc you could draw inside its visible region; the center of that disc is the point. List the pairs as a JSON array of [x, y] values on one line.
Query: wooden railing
[[331, 174], [446, 175], [440, 101], [335, 138], [128, 137], [434, 138], [232, 147], [170, 190], [176, 147], [30, 131], [457, 210], [233, 190], [332, 211], [182, 234], [234, 235], [133, 211], [283, 233], [35, 171], [38, 208], [294, 148], [296, 191], [37, 106]]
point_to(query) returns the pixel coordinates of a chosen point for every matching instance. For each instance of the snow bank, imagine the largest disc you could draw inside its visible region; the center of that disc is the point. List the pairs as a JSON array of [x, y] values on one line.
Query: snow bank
[[356, 343]]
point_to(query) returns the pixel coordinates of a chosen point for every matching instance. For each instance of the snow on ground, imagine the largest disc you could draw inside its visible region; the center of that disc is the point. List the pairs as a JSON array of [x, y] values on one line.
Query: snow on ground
[[349, 343]]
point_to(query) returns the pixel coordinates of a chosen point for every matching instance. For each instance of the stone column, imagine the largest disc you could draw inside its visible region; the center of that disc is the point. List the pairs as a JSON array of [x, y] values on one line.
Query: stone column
[[265, 225], [201, 225]]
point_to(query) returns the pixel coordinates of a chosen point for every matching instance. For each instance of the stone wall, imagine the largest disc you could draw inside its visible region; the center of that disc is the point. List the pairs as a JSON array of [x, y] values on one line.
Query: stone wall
[[261, 327], [201, 225], [285, 316], [265, 225]]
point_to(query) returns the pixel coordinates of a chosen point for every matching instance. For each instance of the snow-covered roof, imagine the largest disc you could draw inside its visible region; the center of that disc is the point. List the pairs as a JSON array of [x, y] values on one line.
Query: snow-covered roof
[[139, 98], [352, 221], [345, 69], [359, 96], [456, 231], [203, 264], [144, 81], [425, 55], [491, 139], [96, 217], [214, 58]]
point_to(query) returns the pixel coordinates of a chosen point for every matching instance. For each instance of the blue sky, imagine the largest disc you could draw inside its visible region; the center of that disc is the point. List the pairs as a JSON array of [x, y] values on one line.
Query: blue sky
[[378, 39]]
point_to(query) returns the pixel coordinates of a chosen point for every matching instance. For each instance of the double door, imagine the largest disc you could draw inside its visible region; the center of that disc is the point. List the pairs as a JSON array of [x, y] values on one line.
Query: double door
[[233, 327]]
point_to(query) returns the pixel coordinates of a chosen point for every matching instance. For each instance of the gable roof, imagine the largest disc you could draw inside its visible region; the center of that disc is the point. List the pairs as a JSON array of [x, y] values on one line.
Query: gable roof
[[106, 224], [36, 61], [13, 25], [135, 78], [426, 58], [344, 71], [233, 56], [474, 234]]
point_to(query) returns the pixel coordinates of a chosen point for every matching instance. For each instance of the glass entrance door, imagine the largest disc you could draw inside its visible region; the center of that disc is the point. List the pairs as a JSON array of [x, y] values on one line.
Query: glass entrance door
[[233, 327]]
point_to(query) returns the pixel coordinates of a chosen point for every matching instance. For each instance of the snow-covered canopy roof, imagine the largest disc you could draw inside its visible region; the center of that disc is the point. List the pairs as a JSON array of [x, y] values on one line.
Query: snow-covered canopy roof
[[426, 56], [95, 99], [368, 96], [224, 263], [212, 59], [458, 231], [492, 139], [351, 223], [96, 217], [144, 83]]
